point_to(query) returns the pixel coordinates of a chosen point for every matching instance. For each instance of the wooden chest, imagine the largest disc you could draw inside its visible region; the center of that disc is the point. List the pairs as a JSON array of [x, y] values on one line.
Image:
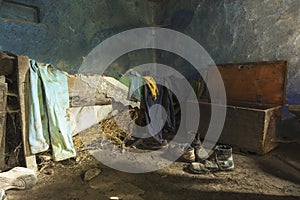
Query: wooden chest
[[255, 96]]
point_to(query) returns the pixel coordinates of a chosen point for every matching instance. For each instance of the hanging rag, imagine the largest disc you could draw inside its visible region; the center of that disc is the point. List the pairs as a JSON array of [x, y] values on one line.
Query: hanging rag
[[49, 123], [135, 86]]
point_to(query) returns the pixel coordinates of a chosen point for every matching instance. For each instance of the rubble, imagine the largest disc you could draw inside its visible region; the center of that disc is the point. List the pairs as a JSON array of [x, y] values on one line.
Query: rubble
[[91, 173]]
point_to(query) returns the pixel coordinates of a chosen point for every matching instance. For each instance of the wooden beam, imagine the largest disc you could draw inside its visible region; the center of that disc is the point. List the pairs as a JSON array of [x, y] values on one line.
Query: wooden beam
[[3, 99], [23, 86], [2, 139]]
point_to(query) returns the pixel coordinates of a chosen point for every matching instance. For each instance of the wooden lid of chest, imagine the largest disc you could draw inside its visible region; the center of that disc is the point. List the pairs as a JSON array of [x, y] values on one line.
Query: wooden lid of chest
[[255, 82]]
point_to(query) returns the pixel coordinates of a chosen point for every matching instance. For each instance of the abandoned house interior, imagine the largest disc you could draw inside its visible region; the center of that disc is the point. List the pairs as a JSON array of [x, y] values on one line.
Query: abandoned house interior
[[149, 99]]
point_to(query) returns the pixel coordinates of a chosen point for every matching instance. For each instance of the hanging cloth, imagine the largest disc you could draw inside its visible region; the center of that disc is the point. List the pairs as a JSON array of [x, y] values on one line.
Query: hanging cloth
[[152, 86], [49, 123]]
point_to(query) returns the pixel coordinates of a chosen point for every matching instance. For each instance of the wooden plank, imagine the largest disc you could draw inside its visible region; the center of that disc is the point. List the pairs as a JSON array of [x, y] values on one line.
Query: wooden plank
[[23, 86], [2, 139], [3, 99], [261, 82], [79, 101], [3, 96], [246, 129], [273, 129], [82, 94]]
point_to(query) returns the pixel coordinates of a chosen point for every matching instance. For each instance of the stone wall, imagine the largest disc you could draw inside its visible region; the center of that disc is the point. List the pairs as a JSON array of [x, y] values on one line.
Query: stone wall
[[68, 30], [230, 30], [251, 30]]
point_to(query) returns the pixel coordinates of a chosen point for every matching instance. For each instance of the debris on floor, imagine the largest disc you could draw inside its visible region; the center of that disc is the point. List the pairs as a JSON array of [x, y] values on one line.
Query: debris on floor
[[119, 129], [91, 173], [2, 195], [19, 178], [249, 178]]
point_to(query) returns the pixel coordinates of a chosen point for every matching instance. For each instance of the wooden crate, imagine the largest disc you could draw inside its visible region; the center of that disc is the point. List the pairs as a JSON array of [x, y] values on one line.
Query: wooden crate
[[255, 96]]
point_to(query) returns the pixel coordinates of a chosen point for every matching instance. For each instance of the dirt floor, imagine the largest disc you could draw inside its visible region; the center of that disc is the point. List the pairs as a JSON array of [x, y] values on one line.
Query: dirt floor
[[273, 176]]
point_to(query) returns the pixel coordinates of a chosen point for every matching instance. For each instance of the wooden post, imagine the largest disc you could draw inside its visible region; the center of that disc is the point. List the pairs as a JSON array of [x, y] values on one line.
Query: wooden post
[[23, 86], [3, 99]]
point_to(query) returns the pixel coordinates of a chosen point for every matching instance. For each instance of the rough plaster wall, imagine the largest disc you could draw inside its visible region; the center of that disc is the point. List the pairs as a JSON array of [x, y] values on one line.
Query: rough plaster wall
[[230, 30], [251, 30], [70, 29]]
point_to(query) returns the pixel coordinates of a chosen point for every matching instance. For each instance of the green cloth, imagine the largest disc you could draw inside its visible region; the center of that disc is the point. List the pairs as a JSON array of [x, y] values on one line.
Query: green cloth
[[125, 80], [49, 123]]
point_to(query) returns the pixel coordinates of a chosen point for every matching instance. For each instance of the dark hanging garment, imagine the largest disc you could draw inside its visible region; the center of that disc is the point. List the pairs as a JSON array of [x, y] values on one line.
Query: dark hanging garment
[[154, 114], [160, 110]]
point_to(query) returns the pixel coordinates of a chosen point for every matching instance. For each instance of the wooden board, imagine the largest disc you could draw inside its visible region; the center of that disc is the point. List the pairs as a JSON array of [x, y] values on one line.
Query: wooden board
[[3, 94], [2, 139], [82, 94], [3, 99], [259, 82], [23, 86]]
